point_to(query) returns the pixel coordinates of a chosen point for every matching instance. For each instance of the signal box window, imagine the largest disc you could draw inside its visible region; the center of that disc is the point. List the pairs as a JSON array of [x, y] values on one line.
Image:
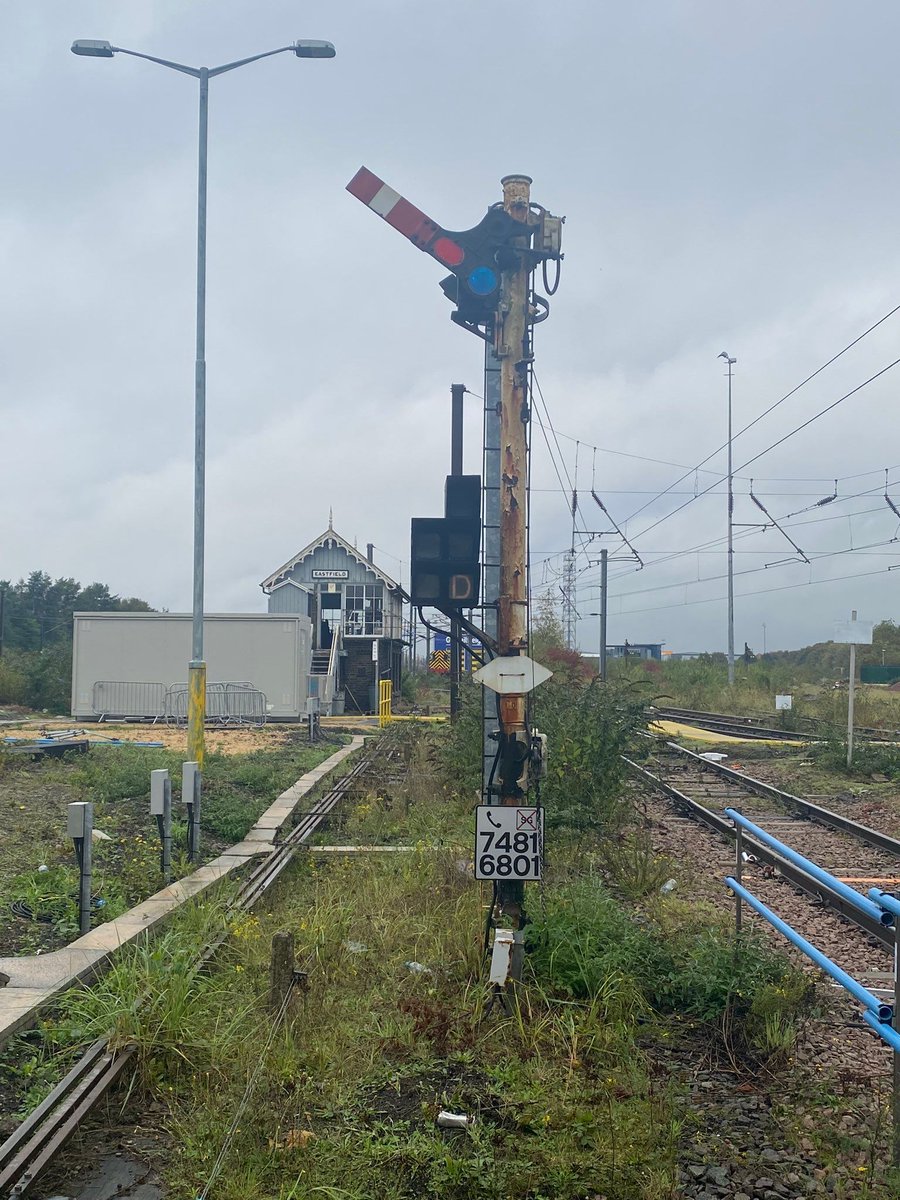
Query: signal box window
[[364, 609]]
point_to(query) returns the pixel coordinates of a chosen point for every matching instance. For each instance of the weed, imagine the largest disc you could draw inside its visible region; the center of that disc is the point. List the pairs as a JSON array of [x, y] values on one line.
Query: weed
[[869, 758], [633, 868], [589, 946]]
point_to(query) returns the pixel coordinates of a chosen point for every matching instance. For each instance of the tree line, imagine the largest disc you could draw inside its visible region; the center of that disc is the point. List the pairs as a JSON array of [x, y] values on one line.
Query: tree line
[[36, 635], [826, 659]]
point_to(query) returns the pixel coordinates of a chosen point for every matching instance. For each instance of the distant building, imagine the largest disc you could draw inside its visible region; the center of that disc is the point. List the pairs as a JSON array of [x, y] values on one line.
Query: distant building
[[357, 620], [636, 650]]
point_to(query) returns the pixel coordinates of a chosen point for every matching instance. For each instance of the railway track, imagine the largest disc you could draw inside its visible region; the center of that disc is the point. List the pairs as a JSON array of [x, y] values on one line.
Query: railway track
[[863, 857], [37, 1141], [733, 726], [756, 727]]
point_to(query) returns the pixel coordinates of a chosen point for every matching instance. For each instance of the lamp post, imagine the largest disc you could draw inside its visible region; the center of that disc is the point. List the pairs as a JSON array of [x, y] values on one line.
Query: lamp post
[[197, 666], [730, 361]]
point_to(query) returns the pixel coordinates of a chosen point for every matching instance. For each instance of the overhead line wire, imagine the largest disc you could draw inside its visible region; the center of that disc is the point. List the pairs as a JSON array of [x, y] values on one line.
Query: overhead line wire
[[759, 592], [780, 441], [771, 408]]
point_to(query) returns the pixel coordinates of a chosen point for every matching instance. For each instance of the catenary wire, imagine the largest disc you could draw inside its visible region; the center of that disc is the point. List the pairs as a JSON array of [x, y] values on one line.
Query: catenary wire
[[779, 442], [771, 408]]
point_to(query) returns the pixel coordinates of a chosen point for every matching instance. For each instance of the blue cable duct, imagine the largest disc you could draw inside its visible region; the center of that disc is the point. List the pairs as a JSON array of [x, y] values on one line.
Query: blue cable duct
[[885, 900], [848, 893], [882, 1013], [885, 1032]]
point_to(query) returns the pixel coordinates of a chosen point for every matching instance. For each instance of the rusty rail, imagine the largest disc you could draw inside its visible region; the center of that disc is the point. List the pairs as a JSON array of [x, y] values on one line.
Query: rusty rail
[[40, 1137]]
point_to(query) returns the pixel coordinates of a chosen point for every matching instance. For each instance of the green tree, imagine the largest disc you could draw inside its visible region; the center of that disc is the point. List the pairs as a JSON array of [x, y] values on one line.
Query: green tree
[[36, 637]]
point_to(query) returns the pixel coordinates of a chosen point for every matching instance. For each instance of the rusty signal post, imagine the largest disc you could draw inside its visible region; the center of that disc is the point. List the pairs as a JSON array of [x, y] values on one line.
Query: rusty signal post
[[491, 285]]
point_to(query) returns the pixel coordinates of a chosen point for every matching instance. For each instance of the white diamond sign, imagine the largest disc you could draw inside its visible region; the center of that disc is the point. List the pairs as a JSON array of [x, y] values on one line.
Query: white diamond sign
[[512, 676]]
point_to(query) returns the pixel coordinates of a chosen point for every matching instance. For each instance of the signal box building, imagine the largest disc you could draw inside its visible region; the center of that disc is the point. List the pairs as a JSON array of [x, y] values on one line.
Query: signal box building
[[357, 620]]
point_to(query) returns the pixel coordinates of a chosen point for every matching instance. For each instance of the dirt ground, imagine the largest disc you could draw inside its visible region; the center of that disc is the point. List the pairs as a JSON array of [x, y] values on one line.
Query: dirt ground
[[225, 740]]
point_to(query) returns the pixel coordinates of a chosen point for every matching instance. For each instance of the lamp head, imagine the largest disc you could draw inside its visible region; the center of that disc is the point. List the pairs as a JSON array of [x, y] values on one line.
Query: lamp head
[[309, 48], [93, 49]]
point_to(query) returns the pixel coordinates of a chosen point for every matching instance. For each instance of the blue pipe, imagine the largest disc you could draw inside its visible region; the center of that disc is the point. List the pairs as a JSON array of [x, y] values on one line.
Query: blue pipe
[[857, 899], [885, 1032], [883, 1012], [885, 900]]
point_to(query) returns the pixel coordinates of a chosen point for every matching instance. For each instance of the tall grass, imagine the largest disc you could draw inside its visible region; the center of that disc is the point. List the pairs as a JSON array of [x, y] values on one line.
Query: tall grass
[[702, 684]]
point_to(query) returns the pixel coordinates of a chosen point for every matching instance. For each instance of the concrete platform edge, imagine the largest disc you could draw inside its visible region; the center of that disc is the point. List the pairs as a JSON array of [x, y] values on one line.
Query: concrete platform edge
[[36, 980]]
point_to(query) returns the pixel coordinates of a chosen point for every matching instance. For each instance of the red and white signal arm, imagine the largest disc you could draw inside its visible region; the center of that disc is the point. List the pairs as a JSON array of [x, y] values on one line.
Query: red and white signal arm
[[405, 218], [474, 256]]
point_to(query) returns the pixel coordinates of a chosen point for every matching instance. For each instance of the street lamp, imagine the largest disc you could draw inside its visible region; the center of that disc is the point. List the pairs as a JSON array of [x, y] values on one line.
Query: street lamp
[[730, 361], [197, 667]]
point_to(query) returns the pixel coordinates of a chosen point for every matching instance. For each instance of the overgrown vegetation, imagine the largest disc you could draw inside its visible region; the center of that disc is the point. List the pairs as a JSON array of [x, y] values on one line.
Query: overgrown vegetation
[[36, 636], [676, 958], [702, 684], [869, 758], [589, 727], [237, 789], [399, 1023]]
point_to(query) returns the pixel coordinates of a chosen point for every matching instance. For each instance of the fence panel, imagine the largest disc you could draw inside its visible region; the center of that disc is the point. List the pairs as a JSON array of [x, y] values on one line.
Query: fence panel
[[226, 704], [118, 698]]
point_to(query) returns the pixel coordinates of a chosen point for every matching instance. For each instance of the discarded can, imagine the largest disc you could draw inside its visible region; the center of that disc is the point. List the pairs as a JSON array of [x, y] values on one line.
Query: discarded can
[[449, 1120]]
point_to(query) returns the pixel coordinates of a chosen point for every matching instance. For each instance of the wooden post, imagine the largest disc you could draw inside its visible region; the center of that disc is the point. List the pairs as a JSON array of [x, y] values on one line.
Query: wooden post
[[512, 349], [281, 971]]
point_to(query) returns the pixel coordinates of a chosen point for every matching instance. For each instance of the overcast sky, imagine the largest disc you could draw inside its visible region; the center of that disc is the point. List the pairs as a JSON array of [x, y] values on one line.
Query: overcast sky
[[729, 175]]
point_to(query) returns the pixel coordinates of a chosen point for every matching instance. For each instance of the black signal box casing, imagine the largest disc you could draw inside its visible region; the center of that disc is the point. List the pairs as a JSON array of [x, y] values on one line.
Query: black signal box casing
[[445, 554], [462, 496]]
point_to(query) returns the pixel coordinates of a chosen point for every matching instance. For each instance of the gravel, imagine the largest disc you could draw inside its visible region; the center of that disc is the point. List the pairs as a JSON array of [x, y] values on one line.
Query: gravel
[[771, 1137]]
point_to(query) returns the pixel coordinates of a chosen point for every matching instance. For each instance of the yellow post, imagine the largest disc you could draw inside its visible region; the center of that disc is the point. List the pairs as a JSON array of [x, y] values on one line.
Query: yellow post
[[385, 692], [197, 713]]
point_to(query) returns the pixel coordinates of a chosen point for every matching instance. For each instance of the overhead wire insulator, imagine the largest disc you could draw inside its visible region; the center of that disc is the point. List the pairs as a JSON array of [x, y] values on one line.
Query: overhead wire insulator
[[828, 499], [891, 505], [759, 504]]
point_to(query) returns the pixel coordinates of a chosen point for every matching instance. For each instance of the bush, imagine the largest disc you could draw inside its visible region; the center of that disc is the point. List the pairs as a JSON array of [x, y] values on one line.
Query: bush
[[48, 679], [869, 758], [588, 730], [12, 683], [461, 757], [680, 959]]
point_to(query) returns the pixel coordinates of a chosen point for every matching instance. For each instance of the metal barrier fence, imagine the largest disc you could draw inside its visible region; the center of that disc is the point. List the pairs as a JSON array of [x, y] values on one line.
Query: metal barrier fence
[[115, 698], [226, 704], [245, 704], [385, 692], [880, 1015]]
